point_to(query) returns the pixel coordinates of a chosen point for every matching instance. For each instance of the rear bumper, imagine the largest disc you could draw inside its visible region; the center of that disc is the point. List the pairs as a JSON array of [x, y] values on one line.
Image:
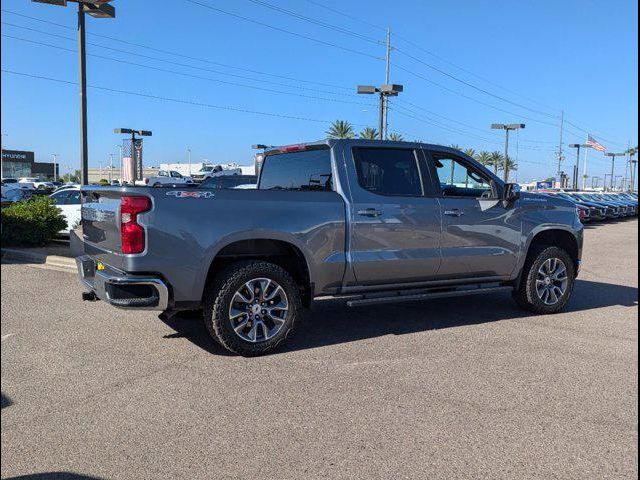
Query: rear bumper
[[122, 290]]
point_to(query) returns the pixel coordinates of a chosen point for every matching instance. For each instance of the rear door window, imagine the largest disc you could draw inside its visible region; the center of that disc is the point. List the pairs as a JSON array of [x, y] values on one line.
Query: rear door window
[[389, 171], [306, 170]]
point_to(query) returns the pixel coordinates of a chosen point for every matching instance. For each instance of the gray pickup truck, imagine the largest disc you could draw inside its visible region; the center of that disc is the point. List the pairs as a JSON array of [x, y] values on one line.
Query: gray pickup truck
[[372, 221]]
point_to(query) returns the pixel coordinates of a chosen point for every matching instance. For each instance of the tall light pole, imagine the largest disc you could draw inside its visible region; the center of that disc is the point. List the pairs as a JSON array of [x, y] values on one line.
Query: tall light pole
[[613, 164], [120, 147], [576, 167], [97, 9], [388, 90], [507, 128], [54, 156], [110, 166]]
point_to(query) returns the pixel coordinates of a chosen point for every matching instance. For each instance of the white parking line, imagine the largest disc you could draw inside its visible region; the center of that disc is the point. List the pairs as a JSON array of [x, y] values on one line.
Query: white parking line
[[4, 337]]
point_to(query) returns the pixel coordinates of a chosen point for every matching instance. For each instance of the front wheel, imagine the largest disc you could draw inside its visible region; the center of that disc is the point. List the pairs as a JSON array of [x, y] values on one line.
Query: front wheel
[[252, 307], [547, 281]]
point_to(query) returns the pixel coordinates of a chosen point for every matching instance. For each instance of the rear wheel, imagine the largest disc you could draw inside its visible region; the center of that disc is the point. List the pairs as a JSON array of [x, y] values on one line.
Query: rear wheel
[[252, 307], [547, 280]]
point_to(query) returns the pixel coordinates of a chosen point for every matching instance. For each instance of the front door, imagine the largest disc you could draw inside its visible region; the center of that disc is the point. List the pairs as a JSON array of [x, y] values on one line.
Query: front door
[[395, 225], [480, 238]]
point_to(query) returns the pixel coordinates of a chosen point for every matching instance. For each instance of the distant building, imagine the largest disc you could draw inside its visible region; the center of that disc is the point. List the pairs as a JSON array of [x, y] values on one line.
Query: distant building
[[21, 163]]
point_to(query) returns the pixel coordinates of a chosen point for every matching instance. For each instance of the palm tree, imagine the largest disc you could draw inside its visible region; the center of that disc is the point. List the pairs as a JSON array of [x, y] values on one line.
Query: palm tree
[[369, 133], [341, 129], [396, 137], [496, 159], [456, 146], [510, 165], [632, 151], [484, 158], [470, 151]]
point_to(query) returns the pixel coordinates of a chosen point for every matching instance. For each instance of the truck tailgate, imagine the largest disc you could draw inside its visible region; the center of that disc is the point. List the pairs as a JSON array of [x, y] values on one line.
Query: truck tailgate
[[101, 219]]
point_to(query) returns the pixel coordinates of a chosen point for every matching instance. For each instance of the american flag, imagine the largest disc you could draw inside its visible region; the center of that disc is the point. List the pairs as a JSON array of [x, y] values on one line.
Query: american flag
[[592, 142]]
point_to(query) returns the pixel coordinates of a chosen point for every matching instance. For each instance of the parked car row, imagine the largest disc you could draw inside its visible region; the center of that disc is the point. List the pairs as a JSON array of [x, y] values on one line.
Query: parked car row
[[599, 206]]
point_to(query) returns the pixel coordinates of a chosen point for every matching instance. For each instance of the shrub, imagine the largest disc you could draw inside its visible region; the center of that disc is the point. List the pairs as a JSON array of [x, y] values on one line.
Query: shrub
[[31, 223], [103, 181]]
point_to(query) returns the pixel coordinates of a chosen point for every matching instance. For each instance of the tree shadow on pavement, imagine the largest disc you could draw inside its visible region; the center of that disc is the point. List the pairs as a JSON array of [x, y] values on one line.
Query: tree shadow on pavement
[[332, 322]]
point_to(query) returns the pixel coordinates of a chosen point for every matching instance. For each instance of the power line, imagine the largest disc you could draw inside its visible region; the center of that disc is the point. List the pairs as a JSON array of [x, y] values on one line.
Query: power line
[[317, 22], [289, 32], [170, 99], [471, 85], [194, 76], [483, 130], [176, 54], [351, 17], [171, 62], [426, 79]]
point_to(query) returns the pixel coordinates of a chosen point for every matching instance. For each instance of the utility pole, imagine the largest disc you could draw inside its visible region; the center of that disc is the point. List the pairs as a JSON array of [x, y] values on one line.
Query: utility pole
[[585, 174], [110, 166], [386, 82], [633, 175], [560, 155], [82, 55], [55, 176]]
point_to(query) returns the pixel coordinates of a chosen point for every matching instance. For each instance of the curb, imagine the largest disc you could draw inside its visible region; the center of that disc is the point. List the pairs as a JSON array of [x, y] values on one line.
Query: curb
[[39, 258]]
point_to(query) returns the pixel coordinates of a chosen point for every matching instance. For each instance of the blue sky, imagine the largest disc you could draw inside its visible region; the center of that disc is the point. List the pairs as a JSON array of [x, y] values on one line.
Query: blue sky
[[463, 64]]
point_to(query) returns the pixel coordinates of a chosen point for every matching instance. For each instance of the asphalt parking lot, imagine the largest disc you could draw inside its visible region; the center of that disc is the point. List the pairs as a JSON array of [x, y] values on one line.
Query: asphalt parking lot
[[451, 388]]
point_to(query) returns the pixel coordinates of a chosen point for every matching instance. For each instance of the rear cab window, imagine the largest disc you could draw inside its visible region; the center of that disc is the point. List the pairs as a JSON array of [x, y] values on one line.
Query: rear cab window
[[389, 171], [308, 170]]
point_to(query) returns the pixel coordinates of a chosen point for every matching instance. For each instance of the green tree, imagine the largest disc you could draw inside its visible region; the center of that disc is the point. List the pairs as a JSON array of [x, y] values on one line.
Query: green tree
[[497, 159], [341, 129], [456, 146], [369, 133], [484, 158], [470, 151], [396, 137], [510, 164], [72, 177]]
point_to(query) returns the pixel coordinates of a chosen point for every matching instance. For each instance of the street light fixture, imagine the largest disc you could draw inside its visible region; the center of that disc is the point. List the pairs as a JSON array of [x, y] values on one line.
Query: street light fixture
[[385, 91], [96, 9], [576, 168], [613, 163], [507, 127]]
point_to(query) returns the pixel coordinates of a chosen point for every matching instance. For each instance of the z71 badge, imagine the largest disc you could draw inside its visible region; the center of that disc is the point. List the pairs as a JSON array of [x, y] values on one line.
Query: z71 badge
[[183, 194]]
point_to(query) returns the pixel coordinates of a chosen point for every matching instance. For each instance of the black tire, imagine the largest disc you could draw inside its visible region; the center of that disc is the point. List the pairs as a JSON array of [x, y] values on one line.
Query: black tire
[[526, 295], [218, 297]]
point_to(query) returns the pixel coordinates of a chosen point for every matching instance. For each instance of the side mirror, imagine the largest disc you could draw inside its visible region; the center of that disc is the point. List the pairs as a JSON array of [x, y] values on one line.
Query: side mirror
[[511, 193]]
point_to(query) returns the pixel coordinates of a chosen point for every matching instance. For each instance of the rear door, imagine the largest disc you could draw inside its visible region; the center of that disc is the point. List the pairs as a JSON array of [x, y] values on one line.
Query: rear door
[[395, 219], [480, 238]]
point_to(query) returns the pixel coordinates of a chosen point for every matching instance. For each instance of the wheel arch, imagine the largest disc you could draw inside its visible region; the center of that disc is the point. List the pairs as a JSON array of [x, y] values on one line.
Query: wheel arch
[[555, 236], [281, 252]]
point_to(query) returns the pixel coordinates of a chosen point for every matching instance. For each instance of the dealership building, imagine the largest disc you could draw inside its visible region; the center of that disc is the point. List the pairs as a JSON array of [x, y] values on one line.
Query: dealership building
[[19, 163]]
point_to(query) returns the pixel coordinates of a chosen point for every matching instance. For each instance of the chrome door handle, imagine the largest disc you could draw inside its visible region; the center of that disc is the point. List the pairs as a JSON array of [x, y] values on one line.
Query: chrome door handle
[[370, 212], [455, 212]]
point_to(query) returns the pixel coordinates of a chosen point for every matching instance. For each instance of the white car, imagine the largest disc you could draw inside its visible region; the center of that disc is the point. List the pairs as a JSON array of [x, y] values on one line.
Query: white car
[[36, 182], [164, 177], [11, 183], [68, 200]]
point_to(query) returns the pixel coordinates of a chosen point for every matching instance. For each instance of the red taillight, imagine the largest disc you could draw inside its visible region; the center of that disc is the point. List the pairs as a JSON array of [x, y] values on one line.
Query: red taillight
[[293, 148], [132, 233]]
